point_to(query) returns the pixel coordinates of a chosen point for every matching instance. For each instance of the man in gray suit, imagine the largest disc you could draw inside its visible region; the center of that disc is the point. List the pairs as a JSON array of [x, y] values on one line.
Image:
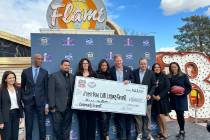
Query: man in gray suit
[[60, 93]]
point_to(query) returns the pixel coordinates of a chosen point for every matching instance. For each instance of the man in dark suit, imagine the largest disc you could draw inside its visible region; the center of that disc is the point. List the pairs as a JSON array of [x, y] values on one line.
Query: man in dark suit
[[123, 74], [144, 76], [34, 87], [60, 95]]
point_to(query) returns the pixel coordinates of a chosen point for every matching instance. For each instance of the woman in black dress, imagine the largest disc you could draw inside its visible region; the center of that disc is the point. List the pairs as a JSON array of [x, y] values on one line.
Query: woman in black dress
[[180, 88], [11, 109], [104, 117], [87, 119], [161, 105]]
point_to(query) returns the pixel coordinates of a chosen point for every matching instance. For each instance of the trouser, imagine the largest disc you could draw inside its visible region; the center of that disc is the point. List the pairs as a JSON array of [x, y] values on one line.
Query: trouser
[[62, 124], [143, 123], [11, 128], [180, 119], [118, 119], [30, 110], [104, 119], [87, 124]]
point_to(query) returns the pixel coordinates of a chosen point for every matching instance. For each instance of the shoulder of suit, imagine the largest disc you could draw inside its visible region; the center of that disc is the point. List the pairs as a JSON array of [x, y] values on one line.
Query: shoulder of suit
[[54, 74], [150, 71], [27, 69], [71, 75], [113, 67], [126, 67], [43, 69], [136, 70]]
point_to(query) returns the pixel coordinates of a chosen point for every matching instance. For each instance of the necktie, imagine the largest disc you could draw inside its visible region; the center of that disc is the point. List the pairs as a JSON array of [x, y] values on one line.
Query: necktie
[[35, 75]]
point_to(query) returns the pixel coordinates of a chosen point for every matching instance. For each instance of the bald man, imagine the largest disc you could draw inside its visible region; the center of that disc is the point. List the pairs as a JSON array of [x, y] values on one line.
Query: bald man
[[34, 85]]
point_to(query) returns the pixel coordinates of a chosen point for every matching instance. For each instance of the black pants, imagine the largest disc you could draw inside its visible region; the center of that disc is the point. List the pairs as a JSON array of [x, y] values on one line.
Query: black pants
[[62, 124], [87, 124], [104, 119], [11, 128], [29, 119], [180, 119], [118, 119]]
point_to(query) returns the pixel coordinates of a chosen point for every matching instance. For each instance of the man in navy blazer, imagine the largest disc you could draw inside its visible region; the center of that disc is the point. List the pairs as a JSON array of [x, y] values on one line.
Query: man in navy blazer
[[121, 73], [34, 86], [144, 76]]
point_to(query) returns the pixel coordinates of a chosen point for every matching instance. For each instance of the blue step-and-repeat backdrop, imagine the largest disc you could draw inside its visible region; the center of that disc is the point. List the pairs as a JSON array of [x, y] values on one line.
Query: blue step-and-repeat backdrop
[[55, 47]]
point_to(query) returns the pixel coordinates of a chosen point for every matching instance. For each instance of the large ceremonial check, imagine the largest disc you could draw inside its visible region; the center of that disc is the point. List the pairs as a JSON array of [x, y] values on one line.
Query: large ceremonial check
[[109, 96]]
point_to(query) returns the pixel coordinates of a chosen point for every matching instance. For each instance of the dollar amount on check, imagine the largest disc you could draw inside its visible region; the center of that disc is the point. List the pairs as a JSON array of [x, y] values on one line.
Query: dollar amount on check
[[109, 96]]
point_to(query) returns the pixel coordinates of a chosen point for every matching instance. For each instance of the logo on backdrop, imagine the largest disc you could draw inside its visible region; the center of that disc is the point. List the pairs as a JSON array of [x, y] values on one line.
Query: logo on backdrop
[[90, 55], [69, 56], [76, 14], [129, 56], [44, 41], [110, 56], [47, 57], [147, 55], [109, 41], [128, 42], [146, 43], [131, 67], [69, 42], [89, 42]]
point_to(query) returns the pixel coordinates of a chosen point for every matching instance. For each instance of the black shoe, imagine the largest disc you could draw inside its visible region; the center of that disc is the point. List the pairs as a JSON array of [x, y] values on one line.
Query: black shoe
[[181, 135]]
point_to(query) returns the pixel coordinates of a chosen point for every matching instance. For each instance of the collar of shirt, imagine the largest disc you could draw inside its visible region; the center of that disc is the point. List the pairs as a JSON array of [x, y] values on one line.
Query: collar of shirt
[[141, 71], [119, 69], [33, 70]]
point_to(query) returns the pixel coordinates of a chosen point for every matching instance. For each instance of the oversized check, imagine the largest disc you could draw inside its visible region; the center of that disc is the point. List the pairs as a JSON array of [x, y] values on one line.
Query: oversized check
[[109, 96]]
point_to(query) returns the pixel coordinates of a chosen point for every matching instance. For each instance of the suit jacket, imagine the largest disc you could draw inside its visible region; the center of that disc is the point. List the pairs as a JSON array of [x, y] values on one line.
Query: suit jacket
[[29, 89], [127, 74], [58, 94], [149, 80], [180, 103], [5, 105]]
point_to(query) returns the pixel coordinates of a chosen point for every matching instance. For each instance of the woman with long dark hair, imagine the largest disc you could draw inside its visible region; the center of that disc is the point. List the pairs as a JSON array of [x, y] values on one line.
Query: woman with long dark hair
[[161, 105], [11, 110], [180, 88], [87, 119], [104, 117]]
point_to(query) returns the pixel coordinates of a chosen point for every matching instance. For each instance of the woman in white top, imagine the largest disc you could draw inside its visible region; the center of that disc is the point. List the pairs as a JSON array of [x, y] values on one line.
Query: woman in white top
[[11, 110]]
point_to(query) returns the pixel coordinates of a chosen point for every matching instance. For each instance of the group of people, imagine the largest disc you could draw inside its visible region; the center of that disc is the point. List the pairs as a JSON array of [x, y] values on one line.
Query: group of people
[[41, 93]]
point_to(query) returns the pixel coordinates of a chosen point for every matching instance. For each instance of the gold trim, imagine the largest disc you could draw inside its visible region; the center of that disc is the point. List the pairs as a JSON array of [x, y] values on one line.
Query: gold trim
[[15, 62], [15, 38], [115, 27]]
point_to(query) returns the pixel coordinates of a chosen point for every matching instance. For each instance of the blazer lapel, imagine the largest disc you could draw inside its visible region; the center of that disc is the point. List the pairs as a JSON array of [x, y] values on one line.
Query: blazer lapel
[[7, 96], [39, 74], [114, 74], [63, 78], [125, 71], [17, 94], [31, 75], [137, 75], [145, 76]]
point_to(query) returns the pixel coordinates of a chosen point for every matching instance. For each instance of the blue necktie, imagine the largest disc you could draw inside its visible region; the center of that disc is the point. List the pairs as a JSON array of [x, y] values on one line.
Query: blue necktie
[[35, 75]]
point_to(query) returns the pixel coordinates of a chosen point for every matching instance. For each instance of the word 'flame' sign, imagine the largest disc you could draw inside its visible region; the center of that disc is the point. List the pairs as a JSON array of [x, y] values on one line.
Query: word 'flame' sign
[[76, 14]]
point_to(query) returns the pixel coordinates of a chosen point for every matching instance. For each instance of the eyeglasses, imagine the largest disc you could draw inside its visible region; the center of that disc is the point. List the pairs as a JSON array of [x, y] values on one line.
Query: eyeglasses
[[85, 63]]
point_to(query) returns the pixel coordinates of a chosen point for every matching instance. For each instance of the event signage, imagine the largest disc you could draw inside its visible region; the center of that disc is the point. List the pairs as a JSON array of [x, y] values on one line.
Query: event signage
[[106, 96], [76, 14]]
